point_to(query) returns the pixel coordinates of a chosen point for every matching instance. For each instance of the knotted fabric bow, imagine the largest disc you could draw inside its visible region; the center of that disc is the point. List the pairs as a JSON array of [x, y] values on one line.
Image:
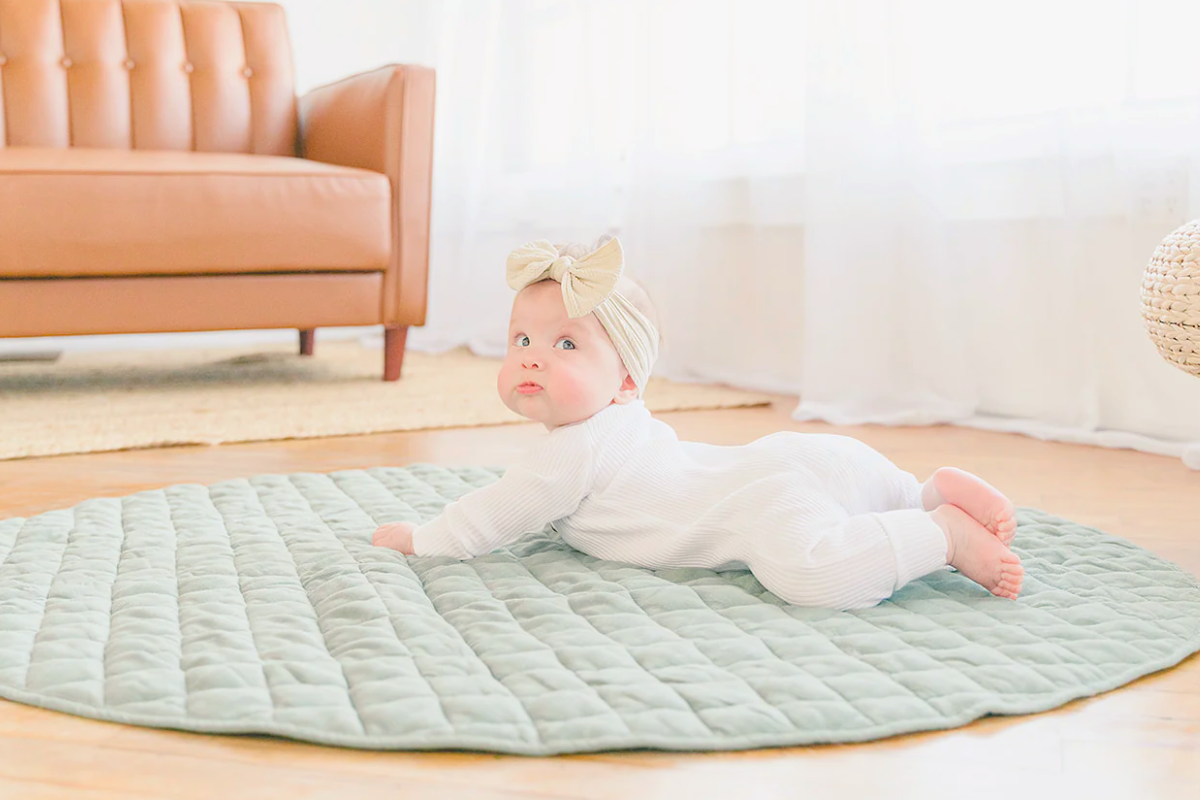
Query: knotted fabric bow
[[589, 285]]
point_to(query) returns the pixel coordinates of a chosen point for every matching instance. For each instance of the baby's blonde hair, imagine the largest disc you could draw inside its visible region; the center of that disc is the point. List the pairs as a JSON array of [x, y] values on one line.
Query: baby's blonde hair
[[630, 289]]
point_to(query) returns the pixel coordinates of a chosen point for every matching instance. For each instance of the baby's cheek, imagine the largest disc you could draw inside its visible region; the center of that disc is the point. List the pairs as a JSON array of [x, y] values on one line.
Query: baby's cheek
[[505, 378], [582, 390], [571, 389]]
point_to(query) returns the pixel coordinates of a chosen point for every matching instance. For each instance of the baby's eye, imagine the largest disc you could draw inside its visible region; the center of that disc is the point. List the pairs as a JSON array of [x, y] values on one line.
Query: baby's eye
[[521, 341], [566, 344]]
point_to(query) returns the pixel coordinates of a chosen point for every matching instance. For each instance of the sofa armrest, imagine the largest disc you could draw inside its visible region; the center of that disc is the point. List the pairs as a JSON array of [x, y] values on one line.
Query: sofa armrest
[[383, 121]]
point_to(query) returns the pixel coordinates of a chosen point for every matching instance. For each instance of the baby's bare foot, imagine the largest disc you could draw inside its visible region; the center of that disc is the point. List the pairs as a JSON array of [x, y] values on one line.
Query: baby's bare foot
[[975, 552], [972, 494]]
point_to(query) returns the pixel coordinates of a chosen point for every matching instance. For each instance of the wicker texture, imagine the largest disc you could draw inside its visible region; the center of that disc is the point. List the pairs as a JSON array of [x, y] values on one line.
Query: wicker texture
[[1171, 297]]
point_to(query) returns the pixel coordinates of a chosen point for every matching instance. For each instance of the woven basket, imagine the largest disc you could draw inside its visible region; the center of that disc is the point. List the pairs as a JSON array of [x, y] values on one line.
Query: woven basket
[[1171, 297]]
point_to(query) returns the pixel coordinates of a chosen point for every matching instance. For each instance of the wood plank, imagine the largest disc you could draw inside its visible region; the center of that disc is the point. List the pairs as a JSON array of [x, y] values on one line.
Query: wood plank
[[36, 790], [172, 776]]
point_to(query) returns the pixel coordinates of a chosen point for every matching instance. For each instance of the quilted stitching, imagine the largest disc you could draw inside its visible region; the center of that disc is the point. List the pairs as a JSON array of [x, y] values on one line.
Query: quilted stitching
[[259, 606]]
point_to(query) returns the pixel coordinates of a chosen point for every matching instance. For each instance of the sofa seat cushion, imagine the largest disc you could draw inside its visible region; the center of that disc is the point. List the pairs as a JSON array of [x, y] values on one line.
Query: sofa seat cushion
[[87, 212]]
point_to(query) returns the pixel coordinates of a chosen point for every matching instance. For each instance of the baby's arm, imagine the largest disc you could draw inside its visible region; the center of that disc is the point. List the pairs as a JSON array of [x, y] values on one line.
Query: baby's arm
[[546, 485]]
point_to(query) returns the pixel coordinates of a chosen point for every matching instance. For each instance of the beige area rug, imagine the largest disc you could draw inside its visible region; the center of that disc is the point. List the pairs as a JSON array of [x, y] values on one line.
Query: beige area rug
[[92, 402]]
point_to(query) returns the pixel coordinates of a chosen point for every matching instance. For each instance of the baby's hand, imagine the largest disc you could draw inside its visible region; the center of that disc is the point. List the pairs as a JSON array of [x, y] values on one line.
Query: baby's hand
[[396, 535]]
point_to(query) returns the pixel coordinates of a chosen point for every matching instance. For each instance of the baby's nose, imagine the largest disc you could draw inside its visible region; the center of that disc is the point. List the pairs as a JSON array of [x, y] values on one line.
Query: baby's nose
[[531, 362]]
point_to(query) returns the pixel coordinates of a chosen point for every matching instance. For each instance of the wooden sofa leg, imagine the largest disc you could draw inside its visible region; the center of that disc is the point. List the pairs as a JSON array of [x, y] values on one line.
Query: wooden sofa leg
[[307, 339], [394, 337]]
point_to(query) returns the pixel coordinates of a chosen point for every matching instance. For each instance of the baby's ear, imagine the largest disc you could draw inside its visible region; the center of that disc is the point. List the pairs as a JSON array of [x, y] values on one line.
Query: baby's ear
[[628, 391]]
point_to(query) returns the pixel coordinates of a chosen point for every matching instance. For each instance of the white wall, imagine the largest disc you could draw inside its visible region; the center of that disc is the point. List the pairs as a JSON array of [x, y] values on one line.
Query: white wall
[[333, 40]]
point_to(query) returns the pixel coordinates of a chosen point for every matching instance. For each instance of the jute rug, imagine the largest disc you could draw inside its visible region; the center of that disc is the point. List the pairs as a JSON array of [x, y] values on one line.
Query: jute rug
[[92, 402]]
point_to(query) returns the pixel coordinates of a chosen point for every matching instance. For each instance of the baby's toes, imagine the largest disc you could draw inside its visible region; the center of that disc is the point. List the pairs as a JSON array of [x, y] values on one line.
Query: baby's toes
[[1012, 575], [1005, 592], [1005, 527]]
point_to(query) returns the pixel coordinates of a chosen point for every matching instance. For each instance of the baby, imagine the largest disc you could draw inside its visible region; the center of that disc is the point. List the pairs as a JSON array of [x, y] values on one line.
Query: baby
[[820, 520]]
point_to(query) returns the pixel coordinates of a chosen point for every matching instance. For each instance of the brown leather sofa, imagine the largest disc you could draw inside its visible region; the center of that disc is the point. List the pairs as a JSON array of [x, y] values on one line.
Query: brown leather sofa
[[158, 173]]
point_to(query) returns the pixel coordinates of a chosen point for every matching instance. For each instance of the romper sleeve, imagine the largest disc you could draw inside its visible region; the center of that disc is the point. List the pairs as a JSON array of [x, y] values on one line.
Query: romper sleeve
[[547, 484]]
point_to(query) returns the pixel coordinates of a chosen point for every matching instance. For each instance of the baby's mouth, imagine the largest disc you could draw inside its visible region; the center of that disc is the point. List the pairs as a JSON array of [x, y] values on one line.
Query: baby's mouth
[[529, 387]]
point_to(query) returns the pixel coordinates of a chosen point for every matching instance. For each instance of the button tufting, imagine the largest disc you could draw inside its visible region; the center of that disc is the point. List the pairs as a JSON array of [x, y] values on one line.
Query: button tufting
[[66, 62], [129, 63], [247, 72], [188, 68]]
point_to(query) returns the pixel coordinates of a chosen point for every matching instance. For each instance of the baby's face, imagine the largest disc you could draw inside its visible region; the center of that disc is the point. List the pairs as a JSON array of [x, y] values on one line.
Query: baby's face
[[559, 370]]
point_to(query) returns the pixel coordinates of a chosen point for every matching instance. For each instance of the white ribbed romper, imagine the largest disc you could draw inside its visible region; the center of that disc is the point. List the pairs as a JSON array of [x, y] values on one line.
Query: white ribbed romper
[[820, 520]]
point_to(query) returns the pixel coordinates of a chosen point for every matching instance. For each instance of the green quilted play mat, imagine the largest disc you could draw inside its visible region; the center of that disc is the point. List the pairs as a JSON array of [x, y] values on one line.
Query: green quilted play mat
[[259, 606]]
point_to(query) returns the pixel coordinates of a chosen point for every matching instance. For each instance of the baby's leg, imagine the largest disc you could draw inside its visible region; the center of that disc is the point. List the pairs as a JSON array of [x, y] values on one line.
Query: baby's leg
[[972, 494], [816, 554], [857, 477]]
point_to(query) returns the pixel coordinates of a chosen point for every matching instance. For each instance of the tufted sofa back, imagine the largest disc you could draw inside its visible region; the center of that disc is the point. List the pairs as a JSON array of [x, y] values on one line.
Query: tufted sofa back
[[146, 75]]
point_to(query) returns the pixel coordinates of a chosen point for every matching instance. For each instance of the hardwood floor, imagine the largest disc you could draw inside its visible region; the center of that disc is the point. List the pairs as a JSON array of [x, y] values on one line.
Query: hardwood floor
[[1140, 741]]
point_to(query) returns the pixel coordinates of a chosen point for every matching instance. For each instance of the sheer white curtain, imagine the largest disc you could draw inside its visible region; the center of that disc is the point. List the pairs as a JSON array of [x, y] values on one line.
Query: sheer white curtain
[[906, 211], [673, 124], [981, 208]]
